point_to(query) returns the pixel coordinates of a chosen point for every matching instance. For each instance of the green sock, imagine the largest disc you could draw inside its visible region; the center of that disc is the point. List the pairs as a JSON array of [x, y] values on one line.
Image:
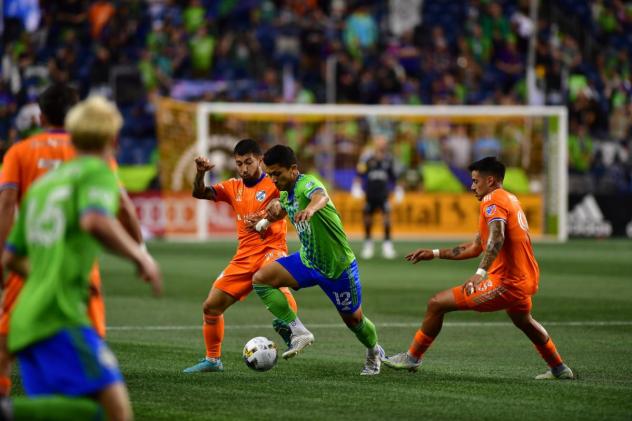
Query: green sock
[[275, 302], [56, 408], [366, 333]]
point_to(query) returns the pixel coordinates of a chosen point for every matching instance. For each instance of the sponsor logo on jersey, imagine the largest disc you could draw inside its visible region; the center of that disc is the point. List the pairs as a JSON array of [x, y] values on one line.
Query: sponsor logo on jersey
[[260, 195], [309, 185], [490, 210]]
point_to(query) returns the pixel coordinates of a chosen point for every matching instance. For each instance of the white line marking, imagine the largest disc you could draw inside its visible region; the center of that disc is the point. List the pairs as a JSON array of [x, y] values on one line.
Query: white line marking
[[415, 324]]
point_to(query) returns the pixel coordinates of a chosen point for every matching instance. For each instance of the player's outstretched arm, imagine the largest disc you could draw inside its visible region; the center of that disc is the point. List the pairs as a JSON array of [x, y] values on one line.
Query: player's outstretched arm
[[461, 252], [318, 201], [200, 191], [128, 218], [109, 232]]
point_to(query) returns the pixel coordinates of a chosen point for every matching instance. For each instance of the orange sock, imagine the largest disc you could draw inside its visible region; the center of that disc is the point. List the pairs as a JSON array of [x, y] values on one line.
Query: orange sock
[[549, 353], [213, 331], [421, 342], [5, 386], [290, 299]]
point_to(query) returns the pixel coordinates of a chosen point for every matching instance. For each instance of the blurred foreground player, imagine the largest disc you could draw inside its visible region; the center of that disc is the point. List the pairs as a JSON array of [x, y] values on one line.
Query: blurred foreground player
[[66, 218], [24, 163]]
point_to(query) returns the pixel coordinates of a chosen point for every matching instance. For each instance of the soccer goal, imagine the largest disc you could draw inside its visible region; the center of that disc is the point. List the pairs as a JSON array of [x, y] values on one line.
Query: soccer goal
[[433, 144]]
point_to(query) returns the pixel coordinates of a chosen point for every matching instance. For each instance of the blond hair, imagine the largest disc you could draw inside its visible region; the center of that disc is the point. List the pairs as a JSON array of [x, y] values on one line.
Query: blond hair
[[93, 123]]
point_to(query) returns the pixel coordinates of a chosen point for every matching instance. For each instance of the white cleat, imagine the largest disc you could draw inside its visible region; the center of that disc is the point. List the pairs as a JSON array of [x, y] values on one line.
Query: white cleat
[[388, 251], [298, 343], [401, 361], [565, 374], [367, 250], [373, 362]]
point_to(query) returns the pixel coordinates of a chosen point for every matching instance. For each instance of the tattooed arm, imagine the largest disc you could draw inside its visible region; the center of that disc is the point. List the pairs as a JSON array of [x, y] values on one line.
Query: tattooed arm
[[200, 191], [461, 252], [494, 244]]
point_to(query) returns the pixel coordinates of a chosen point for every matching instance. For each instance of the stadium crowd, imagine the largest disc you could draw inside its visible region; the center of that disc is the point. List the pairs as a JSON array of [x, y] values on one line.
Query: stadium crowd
[[470, 52]]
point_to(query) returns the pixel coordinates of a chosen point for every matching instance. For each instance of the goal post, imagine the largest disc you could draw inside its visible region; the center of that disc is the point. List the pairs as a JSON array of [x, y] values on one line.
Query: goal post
[[329, 139]]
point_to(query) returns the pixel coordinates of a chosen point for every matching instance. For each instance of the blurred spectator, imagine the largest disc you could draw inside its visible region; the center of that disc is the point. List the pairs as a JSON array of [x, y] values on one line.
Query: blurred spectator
[[99, 14], [361, 31], [580, 149], [193, 16], [201, 49], [458, 148], [486, 143]]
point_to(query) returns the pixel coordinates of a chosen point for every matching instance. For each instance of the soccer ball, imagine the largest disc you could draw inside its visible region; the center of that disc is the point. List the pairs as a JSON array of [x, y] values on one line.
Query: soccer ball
[[260, 354]]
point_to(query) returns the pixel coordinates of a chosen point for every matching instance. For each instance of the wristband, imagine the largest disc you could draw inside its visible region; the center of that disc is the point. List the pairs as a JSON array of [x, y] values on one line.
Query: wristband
[[143, 246], [436, 253], [482, 272], [262, 225]]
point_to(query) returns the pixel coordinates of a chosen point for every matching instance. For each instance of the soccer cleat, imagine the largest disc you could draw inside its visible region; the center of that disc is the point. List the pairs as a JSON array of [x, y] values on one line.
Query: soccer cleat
[[373, 362], [206, 366], [388, 251], [367, 250], [298, 343], [565, 374], [401, 361], [284, 331]]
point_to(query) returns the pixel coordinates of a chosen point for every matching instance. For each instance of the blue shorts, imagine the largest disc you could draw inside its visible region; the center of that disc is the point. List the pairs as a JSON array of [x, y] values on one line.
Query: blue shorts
[[345, 291], [73, 362]]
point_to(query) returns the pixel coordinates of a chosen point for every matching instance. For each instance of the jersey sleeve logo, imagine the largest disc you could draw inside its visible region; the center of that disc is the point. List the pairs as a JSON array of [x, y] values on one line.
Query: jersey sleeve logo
[[489, 211], [260, 195], [309, 185]]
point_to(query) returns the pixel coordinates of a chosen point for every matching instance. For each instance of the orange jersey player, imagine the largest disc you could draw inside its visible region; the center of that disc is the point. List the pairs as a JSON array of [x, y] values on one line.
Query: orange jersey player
[[506, 278], [24, 163], [249, 196]]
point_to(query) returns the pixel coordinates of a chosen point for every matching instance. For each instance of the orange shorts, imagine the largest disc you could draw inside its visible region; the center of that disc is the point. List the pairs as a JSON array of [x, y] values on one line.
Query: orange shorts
[[236, 279], [493, 295], [96, 306]]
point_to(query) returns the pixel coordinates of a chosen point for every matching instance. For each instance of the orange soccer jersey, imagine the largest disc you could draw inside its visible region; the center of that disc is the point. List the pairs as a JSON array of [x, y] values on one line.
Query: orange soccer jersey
[[253, 251], [513, 276], [515, 265], [24, 163]]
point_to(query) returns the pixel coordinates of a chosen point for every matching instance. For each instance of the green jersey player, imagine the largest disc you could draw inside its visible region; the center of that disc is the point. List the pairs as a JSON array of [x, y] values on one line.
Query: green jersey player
[[65, 219], [325, 257]]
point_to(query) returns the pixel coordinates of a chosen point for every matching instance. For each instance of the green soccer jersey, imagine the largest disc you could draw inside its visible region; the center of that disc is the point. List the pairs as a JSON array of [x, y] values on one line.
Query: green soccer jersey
[[324, 244], [60, 253]]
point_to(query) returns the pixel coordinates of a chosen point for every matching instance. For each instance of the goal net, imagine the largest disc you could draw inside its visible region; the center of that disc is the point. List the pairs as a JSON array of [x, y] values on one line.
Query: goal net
[[432, 144]]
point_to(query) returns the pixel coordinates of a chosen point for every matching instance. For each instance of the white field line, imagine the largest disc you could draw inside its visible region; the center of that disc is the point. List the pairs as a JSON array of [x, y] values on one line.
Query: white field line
[[410, 324]]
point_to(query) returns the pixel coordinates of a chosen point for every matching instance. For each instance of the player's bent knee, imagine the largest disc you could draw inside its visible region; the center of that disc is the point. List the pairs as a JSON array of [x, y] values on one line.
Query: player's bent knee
[[261, 277], [267, 276], [521, 320], [437, 304], [211, 310]]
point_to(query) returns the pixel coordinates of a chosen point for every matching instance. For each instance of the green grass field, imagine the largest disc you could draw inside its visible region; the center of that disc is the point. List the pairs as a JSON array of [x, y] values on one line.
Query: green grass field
[[480, 367]]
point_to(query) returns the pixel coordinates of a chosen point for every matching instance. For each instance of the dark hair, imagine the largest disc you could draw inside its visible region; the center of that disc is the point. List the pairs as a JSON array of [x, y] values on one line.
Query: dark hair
[[280, 155], [56, 101], [246, 146], [489, 165]]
